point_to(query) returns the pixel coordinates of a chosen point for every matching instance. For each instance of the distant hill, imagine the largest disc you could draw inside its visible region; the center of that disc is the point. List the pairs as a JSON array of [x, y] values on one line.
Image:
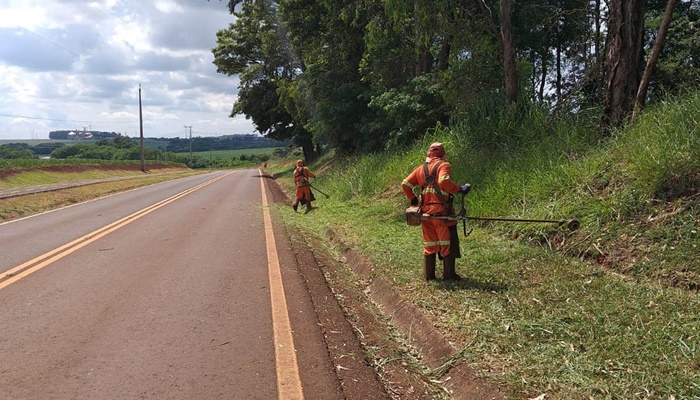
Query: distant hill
[[172, 145], [227, 142], [81, 135]]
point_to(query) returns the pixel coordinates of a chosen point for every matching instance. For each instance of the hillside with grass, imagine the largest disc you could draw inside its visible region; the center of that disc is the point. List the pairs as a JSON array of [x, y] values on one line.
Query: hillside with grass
[[607, 311]]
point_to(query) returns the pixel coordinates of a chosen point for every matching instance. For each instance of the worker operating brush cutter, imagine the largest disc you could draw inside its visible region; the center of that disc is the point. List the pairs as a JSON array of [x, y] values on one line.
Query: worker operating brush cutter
[[434, 211], [304, 195], [440, 238]]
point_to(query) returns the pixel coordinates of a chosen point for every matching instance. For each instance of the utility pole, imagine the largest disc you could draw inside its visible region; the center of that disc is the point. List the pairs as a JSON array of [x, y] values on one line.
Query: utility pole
[[190, 129], [143, 160]]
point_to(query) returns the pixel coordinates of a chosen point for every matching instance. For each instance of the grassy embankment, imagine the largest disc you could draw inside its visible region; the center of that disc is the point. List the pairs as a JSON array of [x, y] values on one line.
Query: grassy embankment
[[27, 173], [608, 311]]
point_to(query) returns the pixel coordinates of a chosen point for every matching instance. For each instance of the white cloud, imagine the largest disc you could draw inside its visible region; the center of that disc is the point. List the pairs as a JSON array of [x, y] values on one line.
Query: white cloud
[[168, 7], [73, 64]]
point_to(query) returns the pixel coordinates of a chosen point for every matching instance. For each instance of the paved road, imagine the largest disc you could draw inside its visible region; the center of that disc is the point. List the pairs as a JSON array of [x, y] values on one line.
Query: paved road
[[182, 290]]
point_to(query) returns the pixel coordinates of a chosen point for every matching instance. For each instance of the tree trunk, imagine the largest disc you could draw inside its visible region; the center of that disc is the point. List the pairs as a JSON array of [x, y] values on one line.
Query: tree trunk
[[543, 76], [304, 138], [598, 68], [653, 57], [424, 59], [623, 60], [511, 73], [598, 58], [559, 76], [444, 55]]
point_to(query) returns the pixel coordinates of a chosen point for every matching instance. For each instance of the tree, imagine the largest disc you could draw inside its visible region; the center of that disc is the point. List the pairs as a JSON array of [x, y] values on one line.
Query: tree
[[254, 47], [13, 151], [622, 60], [361, 75], [653, 57], [330, 93], [511, 73], [679, 62]]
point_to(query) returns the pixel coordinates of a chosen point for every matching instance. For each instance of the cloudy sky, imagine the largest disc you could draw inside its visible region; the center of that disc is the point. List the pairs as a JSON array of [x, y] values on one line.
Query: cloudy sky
[[77, 64]]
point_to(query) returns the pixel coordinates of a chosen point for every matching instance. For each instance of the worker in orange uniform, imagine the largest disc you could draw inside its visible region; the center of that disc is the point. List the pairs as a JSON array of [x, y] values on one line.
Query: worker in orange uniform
[[440, 237], [301, 181]]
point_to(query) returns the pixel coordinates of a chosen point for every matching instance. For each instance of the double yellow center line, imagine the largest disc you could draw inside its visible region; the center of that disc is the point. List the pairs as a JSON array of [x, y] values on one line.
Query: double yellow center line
[[13, 275]]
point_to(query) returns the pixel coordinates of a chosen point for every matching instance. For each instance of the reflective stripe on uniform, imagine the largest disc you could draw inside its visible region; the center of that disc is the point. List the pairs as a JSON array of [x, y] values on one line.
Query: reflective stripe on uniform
[[430, 189], [407, 183], [438, 243]]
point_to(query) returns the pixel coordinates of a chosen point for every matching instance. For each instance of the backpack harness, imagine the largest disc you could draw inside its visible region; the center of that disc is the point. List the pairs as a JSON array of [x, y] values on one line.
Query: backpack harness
[[301, 177], [430, 181]]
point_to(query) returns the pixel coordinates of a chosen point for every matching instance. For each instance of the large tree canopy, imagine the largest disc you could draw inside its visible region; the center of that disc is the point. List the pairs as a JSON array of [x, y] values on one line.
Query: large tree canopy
[[364, 75]]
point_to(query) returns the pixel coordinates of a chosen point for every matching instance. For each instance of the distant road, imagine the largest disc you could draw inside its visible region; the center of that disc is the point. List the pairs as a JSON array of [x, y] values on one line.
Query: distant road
[[181, 290]]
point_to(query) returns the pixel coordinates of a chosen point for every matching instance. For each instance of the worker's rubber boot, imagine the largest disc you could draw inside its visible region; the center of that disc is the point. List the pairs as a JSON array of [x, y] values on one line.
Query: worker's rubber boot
[[295, 205], [308, 206], [429, 267], [448, 269]]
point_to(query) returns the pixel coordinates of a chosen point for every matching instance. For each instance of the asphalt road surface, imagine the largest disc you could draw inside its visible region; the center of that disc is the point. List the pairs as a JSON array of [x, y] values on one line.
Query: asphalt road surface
[[181, 290]]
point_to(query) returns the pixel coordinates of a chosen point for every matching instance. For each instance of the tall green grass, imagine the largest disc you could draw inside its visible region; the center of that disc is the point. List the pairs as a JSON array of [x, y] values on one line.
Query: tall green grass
[[663, 149], [608, 311]]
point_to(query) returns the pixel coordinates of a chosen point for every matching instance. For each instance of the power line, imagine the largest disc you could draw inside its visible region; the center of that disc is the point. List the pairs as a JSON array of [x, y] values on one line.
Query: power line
[[52, 42]]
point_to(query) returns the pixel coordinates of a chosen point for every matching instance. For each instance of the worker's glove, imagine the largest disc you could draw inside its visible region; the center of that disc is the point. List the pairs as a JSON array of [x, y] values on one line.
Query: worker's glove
[[464, 189], [414, 201]]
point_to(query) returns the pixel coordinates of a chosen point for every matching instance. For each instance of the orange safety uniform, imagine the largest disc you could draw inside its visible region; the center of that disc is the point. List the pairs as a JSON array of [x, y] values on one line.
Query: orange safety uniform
[[303, 186], [436, 232]]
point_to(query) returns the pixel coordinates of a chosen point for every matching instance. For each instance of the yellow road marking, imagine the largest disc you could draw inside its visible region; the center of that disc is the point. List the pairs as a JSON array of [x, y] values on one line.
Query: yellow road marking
[[288, 381], [21, 271]]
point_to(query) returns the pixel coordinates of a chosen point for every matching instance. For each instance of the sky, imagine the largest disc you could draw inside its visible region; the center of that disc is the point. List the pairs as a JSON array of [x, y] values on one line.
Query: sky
[[78, 65]]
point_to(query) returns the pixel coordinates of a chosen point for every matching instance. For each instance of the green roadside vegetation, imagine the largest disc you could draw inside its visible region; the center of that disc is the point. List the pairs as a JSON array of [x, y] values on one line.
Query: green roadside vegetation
[[237, 157], [234, 154], [609, 311]]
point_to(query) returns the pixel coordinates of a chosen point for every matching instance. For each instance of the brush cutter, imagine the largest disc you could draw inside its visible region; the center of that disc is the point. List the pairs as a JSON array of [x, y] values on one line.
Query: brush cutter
[[316, 189], [414, 216]]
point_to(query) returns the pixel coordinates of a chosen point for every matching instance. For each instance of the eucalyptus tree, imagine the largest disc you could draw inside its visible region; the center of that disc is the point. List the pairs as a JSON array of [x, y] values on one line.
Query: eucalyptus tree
[[640, 99], [556, 40], [678, 66], [623, 60], [510, 70]]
